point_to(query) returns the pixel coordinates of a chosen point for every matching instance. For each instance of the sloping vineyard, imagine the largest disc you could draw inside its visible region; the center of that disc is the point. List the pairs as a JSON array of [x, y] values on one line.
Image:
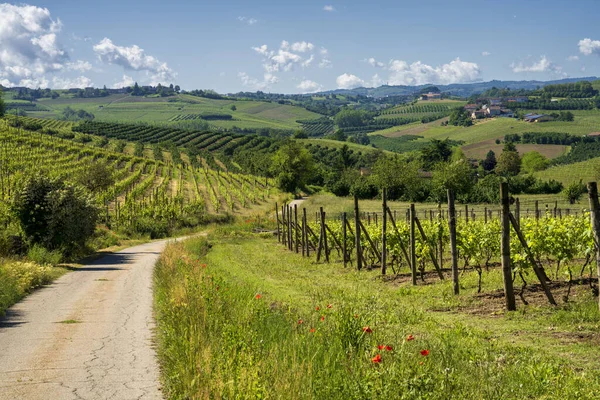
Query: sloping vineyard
[[147, 194]]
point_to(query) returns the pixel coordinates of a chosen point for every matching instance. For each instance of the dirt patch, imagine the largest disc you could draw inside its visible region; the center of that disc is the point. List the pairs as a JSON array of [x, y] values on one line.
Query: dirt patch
[[480, 149]]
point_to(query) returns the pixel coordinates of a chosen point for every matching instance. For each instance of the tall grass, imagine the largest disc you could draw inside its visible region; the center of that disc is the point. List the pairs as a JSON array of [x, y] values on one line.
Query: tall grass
[[225, 331]]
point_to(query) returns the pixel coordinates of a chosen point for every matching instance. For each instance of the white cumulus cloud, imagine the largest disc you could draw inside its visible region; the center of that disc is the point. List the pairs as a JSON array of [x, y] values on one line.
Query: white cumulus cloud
[[79, 65], [329, 8], [349, 81], [374, 63], [418, 73], [286, 58], [29, 46], [543, 65], [308, 86], [588, 46], [126, 81], [67, 83], [573, 58], [247, 20], [486, 53], [134, 58]]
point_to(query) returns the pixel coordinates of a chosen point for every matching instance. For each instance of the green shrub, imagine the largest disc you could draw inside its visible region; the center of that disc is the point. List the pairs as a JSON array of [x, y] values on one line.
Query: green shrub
[[42, 256], [55, 214]]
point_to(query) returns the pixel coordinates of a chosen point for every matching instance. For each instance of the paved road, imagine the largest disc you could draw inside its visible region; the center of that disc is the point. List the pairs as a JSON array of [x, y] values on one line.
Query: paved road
[[106, 354]]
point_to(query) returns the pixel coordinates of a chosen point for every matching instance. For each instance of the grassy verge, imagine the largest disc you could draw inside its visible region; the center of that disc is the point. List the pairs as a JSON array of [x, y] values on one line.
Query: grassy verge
[[18, 278], [239, 316]]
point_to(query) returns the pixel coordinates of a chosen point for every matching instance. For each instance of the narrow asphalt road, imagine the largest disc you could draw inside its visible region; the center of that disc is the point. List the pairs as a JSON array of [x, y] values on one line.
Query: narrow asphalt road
[[86, 336]]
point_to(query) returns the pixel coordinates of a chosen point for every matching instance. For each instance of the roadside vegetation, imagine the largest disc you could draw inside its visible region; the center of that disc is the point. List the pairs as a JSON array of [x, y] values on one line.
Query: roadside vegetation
[[239, 316]]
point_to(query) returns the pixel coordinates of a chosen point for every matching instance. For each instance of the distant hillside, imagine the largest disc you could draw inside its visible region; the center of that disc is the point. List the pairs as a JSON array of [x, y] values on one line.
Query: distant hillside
[[456, 89]]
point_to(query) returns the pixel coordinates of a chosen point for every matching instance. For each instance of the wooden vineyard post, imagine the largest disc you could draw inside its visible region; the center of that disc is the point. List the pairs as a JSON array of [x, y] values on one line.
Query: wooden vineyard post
[[440, 239], [344, 238], [277, 217], [485, 215], [453, 251], [467, 213], [290, 228], [518, 211], [595, 219], [283, 226], [413, 255], [296, 227], [324, 227], [537, 210], [540, 273], [433, 260], [357, 234], [383, 232], [509, 292], [305, 231]]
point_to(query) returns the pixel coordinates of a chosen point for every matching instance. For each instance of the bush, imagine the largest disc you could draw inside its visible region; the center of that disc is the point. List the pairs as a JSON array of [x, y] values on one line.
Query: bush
[[42, 256], [55, 214], [156, 229]]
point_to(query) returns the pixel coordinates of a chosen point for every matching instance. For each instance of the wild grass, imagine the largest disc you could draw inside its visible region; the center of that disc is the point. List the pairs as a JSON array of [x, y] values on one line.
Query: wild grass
[[18, 278], [240, 316]]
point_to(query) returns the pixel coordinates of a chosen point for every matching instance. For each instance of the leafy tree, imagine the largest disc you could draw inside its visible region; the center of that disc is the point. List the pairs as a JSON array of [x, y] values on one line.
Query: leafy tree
[[55, 214], [349, 117], [401, 178], [509, 164], [436, 151], [136, 90], [509, 146], [533, 162], [177, 88], [457, 176], [300, 134], [233, 107], [574, 191], [97, 178], [339, 135], [293, 166], [460, 117], [490, 161]]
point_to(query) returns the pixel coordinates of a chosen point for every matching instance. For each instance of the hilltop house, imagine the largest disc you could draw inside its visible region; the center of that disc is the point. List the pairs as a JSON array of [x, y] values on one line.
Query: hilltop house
[[431, 96], [488, 111]]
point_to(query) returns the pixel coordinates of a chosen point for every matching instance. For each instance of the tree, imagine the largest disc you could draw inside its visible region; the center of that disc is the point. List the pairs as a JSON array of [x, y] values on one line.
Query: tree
[[98, 176], [55, 214], [339, 135], [460, 117], [136, 90], [233, 107], [457, 176], [509, 164], [177, 88], [436, 151], [293, 166], [348, 118], [574, 191], [533, 162], [2, 106], [490, 161]]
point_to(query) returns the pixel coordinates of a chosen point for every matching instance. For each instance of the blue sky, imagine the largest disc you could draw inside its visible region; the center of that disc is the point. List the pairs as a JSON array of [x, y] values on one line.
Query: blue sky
[[294, 46]]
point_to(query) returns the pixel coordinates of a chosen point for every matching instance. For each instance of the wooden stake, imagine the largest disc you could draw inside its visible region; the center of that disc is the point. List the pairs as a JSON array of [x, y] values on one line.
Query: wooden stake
[[296, 228], [413, 255], [357, 234], [344, 238], [505, 249], [453, 250], [595, 219], [384, 233], [277, 216]]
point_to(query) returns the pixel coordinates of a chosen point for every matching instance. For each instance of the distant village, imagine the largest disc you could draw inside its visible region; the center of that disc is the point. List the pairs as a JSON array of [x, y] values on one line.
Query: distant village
[[490, 107]]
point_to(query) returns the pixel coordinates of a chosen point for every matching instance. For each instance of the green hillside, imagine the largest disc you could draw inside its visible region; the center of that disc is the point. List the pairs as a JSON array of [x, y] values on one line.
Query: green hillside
[[126, 108]]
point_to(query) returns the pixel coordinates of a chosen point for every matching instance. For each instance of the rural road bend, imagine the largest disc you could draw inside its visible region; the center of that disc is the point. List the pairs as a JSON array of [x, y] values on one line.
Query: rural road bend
[[86, 336]]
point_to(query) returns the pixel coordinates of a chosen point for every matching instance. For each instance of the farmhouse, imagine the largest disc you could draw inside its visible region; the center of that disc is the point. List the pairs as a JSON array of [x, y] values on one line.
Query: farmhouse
[[471, 107], [431, 96]]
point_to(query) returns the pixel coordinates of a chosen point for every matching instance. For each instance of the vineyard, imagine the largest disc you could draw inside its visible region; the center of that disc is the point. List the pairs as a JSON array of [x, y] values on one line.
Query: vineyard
[[150, 196], [317, 127], [555, 248], [418, 109]]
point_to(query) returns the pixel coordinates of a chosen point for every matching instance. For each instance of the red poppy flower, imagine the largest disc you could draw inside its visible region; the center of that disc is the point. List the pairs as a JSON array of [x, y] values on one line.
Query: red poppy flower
[[317, 308], [409, 338], [356, 316], [367, 329], [381, 347], [258, 296], [300, 322], [329, 305], [376, 359], [425, 353], [389, 348], [203, 265], [312, 330], [322, 318]]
